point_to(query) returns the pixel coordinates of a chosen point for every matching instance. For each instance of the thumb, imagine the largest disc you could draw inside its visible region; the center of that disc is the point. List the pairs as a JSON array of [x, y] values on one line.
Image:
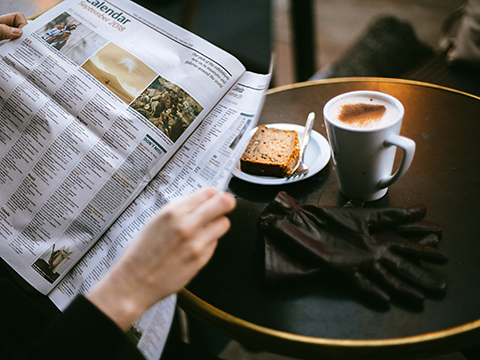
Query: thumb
[[7, 32]]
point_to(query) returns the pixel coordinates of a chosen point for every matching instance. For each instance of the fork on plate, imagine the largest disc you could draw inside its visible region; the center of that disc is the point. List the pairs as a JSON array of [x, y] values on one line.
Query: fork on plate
[[301, 167]]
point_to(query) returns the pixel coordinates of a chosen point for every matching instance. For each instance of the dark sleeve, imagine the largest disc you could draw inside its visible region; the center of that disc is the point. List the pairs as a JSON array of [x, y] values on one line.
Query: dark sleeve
[[82, 331]]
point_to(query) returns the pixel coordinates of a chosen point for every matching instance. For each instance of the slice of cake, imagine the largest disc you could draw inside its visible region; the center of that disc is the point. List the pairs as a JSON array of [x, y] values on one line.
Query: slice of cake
[[271, 152]]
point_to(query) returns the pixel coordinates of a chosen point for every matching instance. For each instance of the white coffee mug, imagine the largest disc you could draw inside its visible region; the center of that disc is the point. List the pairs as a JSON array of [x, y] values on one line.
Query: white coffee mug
[[364, 151]]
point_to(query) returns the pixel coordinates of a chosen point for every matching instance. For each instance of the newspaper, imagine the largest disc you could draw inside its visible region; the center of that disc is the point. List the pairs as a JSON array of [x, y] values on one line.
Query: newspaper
[[108, 112]]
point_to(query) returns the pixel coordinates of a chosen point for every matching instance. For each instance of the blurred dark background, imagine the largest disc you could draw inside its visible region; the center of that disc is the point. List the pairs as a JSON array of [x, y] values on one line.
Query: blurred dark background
[[252, 29]]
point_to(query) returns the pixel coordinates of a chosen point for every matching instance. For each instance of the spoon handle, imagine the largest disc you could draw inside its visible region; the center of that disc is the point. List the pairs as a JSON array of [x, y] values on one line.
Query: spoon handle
[[306, 135]]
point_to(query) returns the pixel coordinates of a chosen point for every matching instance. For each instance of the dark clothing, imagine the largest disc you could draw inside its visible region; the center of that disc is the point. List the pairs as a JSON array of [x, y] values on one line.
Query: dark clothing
[[80, 332]]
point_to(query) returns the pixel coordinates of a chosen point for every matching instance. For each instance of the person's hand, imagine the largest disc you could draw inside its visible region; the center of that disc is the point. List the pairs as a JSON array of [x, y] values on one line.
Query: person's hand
[[11, 25], [368, 245], [173, 246]]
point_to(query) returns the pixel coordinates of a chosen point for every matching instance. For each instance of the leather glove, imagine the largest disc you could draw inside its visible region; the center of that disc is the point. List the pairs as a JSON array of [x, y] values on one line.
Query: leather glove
[[378, 249]]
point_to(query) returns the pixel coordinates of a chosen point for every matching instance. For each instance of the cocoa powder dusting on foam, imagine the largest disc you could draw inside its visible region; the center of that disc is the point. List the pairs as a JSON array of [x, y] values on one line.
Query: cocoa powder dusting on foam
[[361, 113]]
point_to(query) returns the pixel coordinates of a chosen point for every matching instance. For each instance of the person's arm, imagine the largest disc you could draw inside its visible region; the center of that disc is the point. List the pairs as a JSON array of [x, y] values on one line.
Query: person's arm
[[167, 253], [11, 25], [174, 245], [81, 332]]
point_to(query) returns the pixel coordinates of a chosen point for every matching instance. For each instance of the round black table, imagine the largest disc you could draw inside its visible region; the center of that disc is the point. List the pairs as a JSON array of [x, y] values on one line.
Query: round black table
[[324, 317]]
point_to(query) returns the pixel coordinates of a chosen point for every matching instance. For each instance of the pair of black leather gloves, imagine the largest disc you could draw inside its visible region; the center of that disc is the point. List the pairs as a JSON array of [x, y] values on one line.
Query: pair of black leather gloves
[[377, 249]]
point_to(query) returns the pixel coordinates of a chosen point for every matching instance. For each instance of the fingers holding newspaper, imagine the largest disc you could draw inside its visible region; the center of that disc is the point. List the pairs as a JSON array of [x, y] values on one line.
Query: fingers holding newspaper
[[11, 25], [173, 246]]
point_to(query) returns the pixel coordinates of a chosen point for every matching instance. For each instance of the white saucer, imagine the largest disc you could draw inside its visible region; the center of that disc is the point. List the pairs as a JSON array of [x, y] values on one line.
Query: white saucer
[[317, 156]]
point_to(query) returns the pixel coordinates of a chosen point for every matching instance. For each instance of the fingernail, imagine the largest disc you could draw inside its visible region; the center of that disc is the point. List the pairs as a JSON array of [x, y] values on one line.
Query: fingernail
[[17, 31]]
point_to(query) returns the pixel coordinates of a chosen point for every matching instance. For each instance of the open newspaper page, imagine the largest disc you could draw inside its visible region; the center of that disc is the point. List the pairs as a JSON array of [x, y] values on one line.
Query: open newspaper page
[[94, 99], [206, 159]]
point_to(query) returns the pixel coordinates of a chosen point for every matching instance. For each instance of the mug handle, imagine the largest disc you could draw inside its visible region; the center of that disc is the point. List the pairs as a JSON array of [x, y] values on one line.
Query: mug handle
[[408, 147]]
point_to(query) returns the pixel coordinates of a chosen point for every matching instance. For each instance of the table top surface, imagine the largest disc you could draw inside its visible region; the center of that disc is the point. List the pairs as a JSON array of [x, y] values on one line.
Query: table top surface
[[324, 314]]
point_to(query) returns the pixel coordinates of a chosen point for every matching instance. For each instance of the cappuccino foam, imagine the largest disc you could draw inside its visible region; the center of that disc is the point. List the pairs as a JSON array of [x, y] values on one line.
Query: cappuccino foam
[[363, 112]]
